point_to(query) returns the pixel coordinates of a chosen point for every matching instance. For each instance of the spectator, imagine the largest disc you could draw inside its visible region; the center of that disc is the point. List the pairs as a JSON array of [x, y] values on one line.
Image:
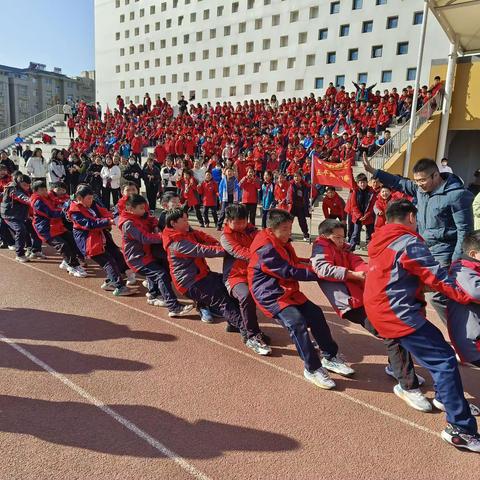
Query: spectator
[[133, 172], [56, 168], [444, 168], [110, 174], [37, 166], [151, 179]]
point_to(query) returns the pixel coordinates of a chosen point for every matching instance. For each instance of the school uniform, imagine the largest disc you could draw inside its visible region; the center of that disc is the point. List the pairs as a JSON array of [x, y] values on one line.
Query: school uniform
[[229, 192], [209, 192], [298, 200], [333, 207], [362, 203], [250, 188], [267, 198]]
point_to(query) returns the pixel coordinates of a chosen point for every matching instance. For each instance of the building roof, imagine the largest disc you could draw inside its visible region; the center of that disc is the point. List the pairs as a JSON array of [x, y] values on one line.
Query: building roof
[[460, 19]]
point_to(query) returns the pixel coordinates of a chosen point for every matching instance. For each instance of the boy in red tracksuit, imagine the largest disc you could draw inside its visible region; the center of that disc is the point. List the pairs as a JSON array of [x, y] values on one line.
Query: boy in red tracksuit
[[189, 194], [380, 207], [137, 241], [137, 147], [236, 238], [362, 200], [341, 277], [281, 191], [400, 267], [48, 223], [187, 250], [208, 189], [333, 205], [6, 239], [274, 273], [250, 186]]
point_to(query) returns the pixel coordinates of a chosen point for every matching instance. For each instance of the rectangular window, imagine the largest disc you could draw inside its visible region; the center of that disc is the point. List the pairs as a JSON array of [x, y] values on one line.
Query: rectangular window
[[256, 67], [132, 15], [258, 24], [284, 40], [344, 30], [163, 43], [205, 54], [402, 48], [220, 10], [122, 18], [299, 84], [234, 50], [380, 2], [152, 46], [290, 62], [211, 73], [302, 37], [186, 38], [219, 52], [132, 83], [122, 52], [147, 28], [242, 27], [142, 82], [275, 20], [281, 86], [117, 69], [174, 78], [213, 33], [411, 74], [247, 89], [192, 56], [273, 65], [417, 18], [174, 41], [310, 60], [136, 65], [362, 78], [157, 26], [163, 6], [227, 30], [205, 93], [198, 75], [131, 50], [152, 10], [331, 57], [266, 44], [180, 58], [386, 76], [146, 64], [334, 7], [233, 91], [392, 22], [323, 33], [127, 33], [142, 12], [226, 72], [163, 79], [169, 22], [157, 62], [377, 51], [206, 14], [263, 87], [241, 70], [250, 4], [234, 7], [357, 4], [122, 84], [353, 54], [249, 47], [367, 26], [168, 60], [117, 36], [218, 92], [340, 80], [313, 12], [199, 36], [294, 16], [319, 82], [152, 80], [193, 17]]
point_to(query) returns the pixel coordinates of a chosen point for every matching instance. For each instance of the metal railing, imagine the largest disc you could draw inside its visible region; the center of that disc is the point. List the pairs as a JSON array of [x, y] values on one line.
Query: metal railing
[[396, 142], [30, 122]]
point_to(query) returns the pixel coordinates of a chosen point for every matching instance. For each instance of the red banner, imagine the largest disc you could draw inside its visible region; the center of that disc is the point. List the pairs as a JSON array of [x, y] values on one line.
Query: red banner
[[332, 174]]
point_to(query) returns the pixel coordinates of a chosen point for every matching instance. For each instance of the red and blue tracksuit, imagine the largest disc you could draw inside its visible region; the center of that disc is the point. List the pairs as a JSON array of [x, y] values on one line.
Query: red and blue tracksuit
[[464, 320], [5, 234], [186, 252], [400, 266], [235, 263], [274, 271]]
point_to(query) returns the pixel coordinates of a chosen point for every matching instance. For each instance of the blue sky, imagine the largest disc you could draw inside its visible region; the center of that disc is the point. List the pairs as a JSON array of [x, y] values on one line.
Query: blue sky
[[58, 33]]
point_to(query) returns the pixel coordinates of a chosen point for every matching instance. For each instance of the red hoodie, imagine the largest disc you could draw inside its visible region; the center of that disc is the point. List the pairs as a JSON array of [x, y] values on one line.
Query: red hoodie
[[250, 188], [209, 191], [334, 206]]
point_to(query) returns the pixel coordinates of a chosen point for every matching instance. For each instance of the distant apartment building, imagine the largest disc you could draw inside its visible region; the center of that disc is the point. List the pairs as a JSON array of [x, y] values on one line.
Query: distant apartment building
[[25, 92], [241, 49]]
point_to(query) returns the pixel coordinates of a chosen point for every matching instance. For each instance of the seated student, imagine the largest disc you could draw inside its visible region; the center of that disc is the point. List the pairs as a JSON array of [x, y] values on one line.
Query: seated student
[[274, 273], [236, 238], [400, 267], [91, 224], [333, 205], [137, 240], [208, 189], [15, 211], [341, 277], [186, 250], [48, 223]]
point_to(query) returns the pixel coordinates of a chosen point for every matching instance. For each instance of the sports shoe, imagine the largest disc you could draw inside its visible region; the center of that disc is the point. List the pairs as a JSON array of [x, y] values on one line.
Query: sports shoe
[[11, 247], [265, 338], [320, 378], [108, 286], [206, 315], [122, 292], [306, 239], [77, 272], [64, 265], [145, 284], [156, 302], [474, 410], [459, 439], [414, 398], [22, 259], [33, 255], [337, 365], [257, 344], [131, 279], [81, 269], [181, 311], [389, 372], [231, 328]]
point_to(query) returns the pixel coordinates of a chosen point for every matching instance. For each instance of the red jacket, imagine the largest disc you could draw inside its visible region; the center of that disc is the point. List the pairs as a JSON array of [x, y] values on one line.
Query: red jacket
[[280, 194], [209, 192], [137, 145], [334, 206], [160, 153], [379, 209], [47, 217], [355, 211], [250, 188], [188, 192]]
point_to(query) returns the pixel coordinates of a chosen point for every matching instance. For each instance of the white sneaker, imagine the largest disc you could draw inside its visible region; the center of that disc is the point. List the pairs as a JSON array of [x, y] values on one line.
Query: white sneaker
[[414, 398], [182, 311], [320, 378], [145, 284], [23, 259], [75, 272], [11, 247], [107, 286], [82, 270], [64, 265], [337, 365], [389, 372], [156, 302], [258, 345], [474, 410], [459, 439], [131, 279]]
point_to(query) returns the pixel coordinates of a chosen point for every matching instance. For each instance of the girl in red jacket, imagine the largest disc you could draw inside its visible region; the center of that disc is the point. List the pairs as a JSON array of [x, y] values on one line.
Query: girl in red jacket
[[250, 186], [189, 194], [280, 193], [208, 189], [333, 205]]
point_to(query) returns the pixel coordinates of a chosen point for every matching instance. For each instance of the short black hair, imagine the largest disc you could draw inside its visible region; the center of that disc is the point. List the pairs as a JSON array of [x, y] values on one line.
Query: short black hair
[[277, 216], [387, 187], [329, 225], [167, 196], [471, 242], [38, 184], [21, 178], [59, 185], [236, 211], [426, 165], [330, 189], [83, 191], [135, 200], [398, 210], [129, 184], [361, 177], [173, 216]]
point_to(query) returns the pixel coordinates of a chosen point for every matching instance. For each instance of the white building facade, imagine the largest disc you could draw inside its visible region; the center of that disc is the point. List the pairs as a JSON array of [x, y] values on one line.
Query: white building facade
[[240, 49]]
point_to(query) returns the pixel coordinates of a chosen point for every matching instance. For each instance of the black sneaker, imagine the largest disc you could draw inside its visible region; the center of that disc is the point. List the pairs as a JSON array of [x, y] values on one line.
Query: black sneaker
[[459, 439], [232, 328]]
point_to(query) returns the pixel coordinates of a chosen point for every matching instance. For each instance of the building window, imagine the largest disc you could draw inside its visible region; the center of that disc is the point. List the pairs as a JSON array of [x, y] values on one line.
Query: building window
[[267, 2], [157, 62], [205, 54], [234, 50], [227, 30], [352, 54], [281, 86], [127, 33], [152, 80], [132, 15], [357, 4], [258, 24], [152, 10], [198, 75], [205, 93], [147, 28], [146, 64], [302, 37], [213, 33], [152, 46], [411, 74], [131, 50], [206, 14], [180, 58], [163, 6], [319, 82], [136, 65], [323, 33], [284, 40], [220, 10], [241, 70], [142, 12], [168, 60], [310, 60], [142, 82], [250, 4], [273, 65], [226, 72], [169, 22], [386, 76], [377, 51], [122, 52], [249, 47], [186, 38], [362, 78], [218, 92], [211, 74], [219, 52], [199, 36], [402, 48], [290, 62], [380, 2], [392, 22], [266, 44], [263, 87], [299, 84], [157, 26], [163, 43], [294, 16], [233, 91], [344, 30], [331, 57], [242, 27], [163, 79], [417, 18], [334, 7], [117, 36], [367, 26], [192, 56], [275, 20], [117, 69], [122, 84], [193, 17], [313, 12], [132, 83], [234, 7], [174, 41], [122, 18], [256, 67], [247, 89]]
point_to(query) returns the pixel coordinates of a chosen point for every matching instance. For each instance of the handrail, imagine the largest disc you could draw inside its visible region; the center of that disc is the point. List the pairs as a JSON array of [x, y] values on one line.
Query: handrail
[[29, 122], [396, 142]]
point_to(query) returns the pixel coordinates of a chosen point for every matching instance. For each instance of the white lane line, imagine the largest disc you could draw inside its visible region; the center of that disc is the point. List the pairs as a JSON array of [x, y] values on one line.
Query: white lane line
[[258, 359], [180, 461]]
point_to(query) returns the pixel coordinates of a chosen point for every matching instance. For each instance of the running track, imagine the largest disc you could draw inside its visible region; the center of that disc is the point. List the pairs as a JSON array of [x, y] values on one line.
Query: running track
[[96, 387]]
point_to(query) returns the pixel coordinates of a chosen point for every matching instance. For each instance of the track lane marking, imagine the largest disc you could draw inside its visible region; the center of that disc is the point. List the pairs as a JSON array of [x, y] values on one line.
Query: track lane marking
[[257, 359]]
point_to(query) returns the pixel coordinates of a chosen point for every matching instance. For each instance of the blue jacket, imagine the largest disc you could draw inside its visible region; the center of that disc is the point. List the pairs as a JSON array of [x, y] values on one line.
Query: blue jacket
[[223, 192], [267, 195], [444, 216], [15, 203]]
